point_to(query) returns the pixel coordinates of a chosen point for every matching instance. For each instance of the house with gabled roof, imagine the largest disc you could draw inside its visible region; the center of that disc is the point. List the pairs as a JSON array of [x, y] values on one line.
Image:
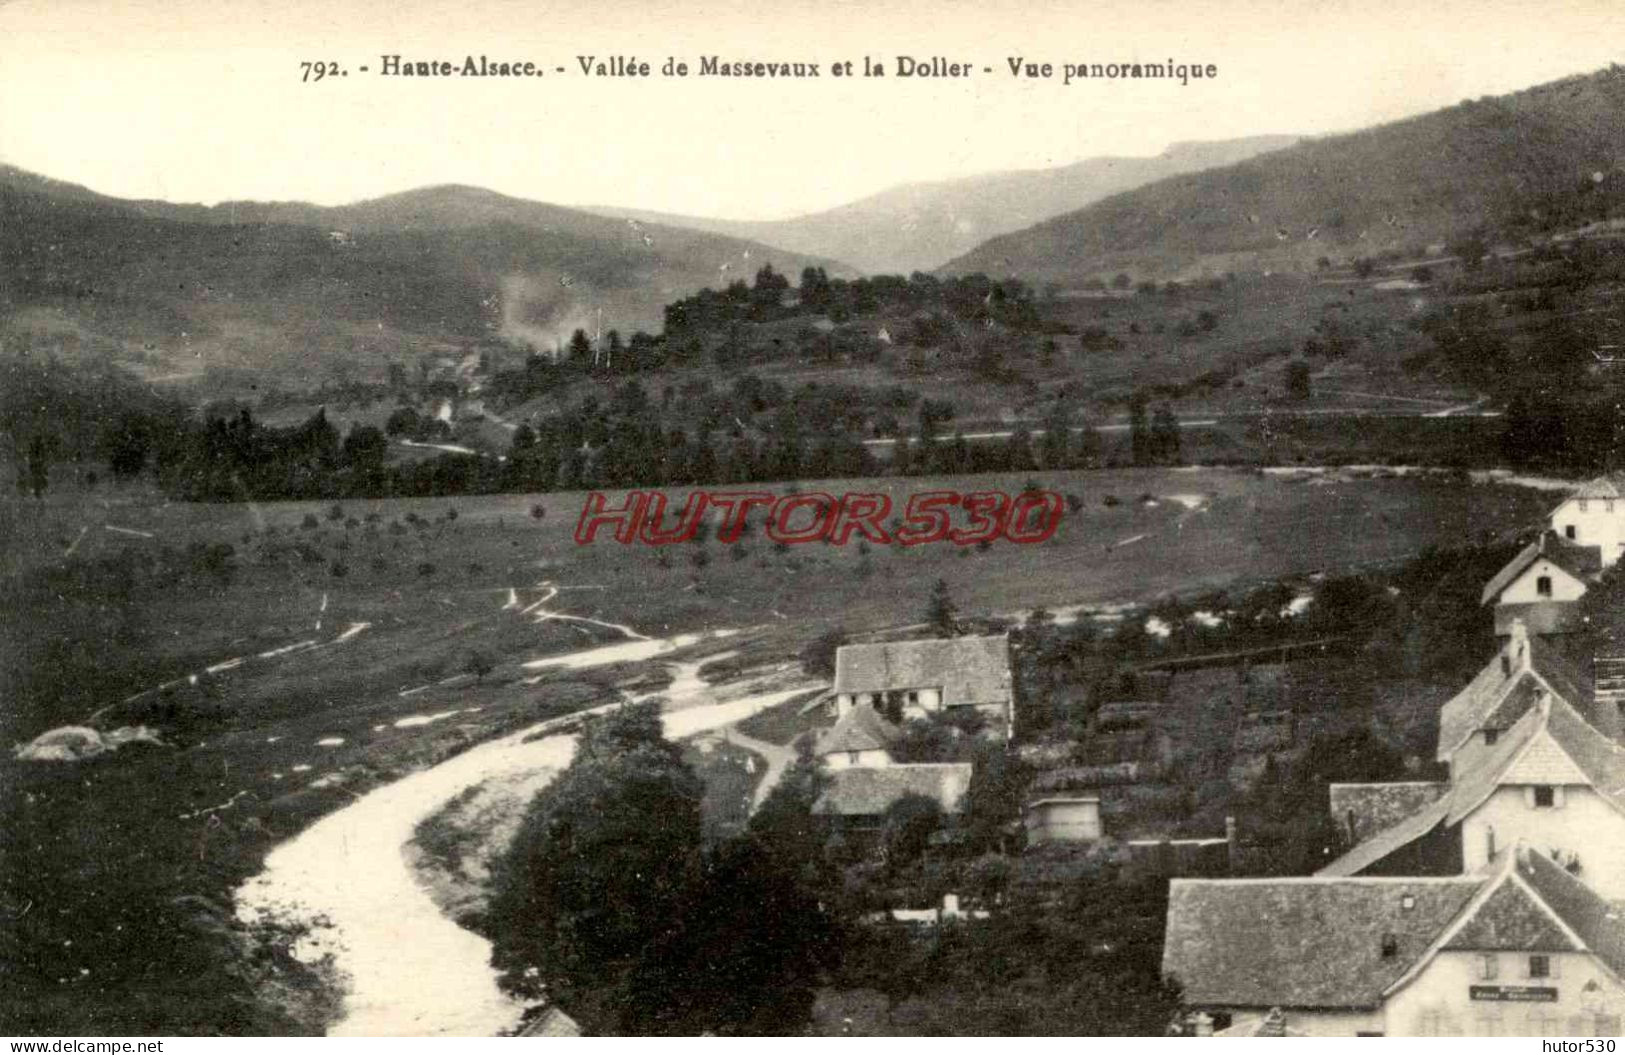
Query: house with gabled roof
[[1525, 668], [1539, 586], [1594, 515], [915, 679], [1551, 780], [861, 737], [1520, 947]]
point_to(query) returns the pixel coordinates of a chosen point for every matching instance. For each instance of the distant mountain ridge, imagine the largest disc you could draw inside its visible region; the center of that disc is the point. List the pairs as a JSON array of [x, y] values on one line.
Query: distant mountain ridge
[[245, 284], [1535, 159], [922, 226]]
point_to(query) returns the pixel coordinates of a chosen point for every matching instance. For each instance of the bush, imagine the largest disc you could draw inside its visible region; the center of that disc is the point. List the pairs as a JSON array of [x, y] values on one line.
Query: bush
[[537, 512], [335, 512], [338, 570], [310, 523], [426, 569]]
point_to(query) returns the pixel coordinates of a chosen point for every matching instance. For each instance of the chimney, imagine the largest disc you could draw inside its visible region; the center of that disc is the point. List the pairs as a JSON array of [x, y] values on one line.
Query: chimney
[[1231, 849], [1515, 657]]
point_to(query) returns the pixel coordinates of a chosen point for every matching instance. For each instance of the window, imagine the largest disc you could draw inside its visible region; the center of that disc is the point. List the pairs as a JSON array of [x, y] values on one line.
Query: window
[[852, 758], [1490, 736], [1540, 966], [1390, 946], [1568, 531], [1543, 585], [1545, 797], [1488, 966]]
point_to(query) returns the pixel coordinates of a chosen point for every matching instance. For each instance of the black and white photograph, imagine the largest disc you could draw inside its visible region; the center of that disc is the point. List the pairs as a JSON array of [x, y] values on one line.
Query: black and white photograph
[[668, 519]]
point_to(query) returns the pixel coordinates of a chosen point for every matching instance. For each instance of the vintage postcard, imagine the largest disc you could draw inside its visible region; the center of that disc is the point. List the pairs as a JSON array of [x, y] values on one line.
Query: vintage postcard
[[661, 519]]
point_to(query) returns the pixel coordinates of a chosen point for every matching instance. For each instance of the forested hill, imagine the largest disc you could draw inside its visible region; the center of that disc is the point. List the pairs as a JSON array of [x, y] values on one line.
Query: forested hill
[[1547, 158]]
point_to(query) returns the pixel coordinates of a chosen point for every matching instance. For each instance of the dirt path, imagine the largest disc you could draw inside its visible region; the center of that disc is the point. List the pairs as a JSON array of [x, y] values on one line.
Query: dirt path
[[778, 760]]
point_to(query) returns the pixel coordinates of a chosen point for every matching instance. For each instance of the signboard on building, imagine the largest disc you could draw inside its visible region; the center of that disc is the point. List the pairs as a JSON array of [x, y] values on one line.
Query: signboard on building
[[1527, 994]]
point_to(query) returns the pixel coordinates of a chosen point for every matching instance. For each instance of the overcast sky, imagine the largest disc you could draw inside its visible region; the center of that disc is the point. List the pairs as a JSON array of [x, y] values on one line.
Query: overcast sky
[[202, 101]]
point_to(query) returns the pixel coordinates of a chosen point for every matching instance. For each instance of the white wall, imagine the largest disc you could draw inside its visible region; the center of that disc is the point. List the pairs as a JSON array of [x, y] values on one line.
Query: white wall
[[1522, 590], [1585, 825], [1063, 822], [1596, 526], [1444, 987]]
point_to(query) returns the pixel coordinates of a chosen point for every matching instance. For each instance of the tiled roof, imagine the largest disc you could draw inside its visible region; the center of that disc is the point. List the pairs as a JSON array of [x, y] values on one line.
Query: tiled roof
[[969, 670], [1535, 662], [1582, 562], [861, 728], [1601, 487], [1510, 919], [866, 792], [1600, 762], [1303, 942], [1320, 943], [1600, 924], [1471, 787], [1601, 759], [1376, 807]]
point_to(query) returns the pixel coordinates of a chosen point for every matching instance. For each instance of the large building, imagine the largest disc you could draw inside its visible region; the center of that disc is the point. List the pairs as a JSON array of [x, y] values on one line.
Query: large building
[[914, 679], [1533, 758], [1521, 947]]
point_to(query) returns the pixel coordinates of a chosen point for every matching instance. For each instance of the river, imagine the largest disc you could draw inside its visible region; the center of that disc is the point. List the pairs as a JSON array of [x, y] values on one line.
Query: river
[[408, 969]]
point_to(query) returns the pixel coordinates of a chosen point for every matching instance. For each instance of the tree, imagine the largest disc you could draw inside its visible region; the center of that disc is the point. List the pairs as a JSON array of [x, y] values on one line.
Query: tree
[[1138, 434], [39, 466], [1297, 379], [478, 664], [742, 955], [598, 868], [365, 447], [1164, 436], [818, 657], [910, 821], [941, 614], [580, 351]]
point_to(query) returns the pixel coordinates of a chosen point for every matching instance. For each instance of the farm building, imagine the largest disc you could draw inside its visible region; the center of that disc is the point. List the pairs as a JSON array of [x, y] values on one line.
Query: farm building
[[1540, 585], [1594, 515], [915, 679], [860, 738]]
